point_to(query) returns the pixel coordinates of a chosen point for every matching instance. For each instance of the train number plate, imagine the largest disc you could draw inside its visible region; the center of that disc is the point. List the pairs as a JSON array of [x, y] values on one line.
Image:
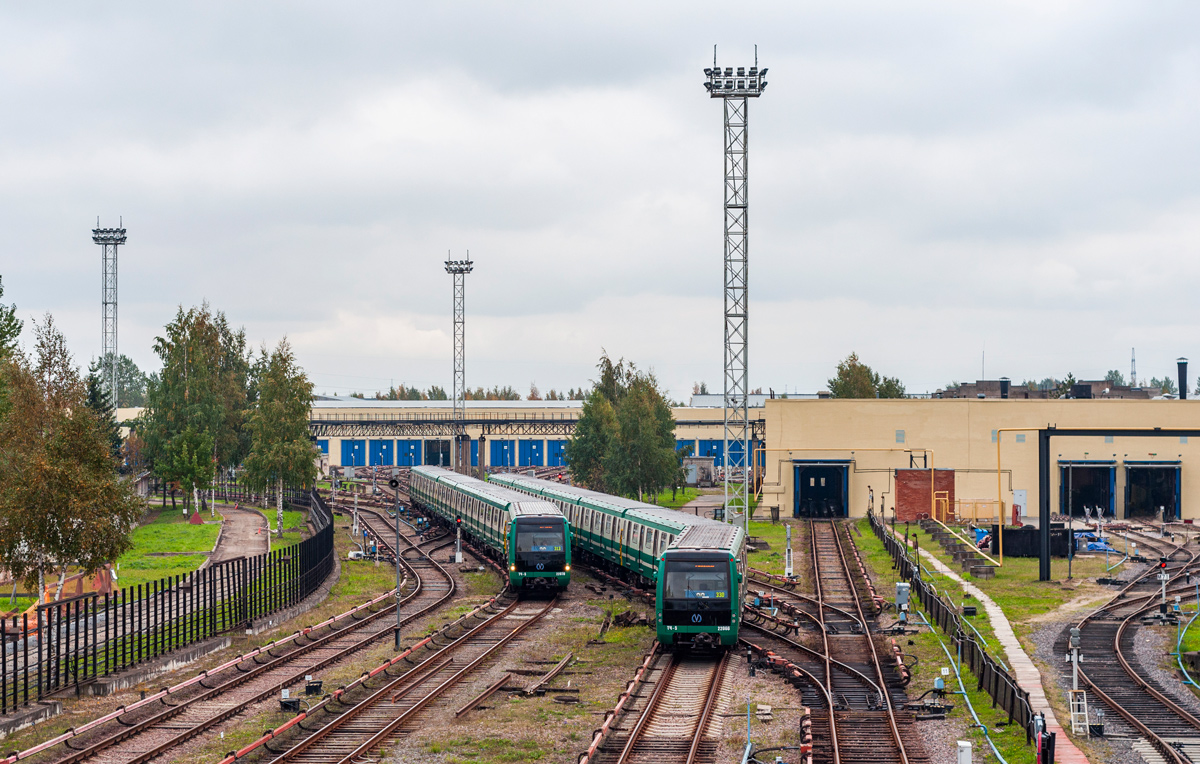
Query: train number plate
[[722, 628]]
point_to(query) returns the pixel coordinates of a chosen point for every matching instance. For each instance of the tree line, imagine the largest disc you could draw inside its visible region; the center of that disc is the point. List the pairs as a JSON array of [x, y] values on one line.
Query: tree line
[[214, 405]]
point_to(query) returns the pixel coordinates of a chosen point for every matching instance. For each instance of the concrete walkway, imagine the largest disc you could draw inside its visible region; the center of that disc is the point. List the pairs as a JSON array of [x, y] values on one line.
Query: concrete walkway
[[1027, 675], [704, 504], [244, 534]]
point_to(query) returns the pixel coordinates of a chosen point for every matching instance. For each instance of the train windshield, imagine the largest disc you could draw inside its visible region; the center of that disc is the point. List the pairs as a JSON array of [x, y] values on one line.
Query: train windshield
[[541, 545], [696, 584]]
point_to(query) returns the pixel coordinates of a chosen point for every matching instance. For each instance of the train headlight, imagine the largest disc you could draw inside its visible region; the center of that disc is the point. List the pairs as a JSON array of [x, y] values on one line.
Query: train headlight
[[567, 569], [512, 568]]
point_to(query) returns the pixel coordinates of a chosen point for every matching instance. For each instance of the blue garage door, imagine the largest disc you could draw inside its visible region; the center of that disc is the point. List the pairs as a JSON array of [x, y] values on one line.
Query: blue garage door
[[381, 453], [474, 453], [408, 453], [715, 449], [354, 453], [324, 446], [530, 453], [682, 444], [503, 453], [556, 453]]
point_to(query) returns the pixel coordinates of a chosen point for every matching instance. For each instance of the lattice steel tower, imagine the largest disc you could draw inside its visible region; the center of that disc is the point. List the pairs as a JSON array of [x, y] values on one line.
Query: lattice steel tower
[[109, 239], [459, 270], [735, 90]]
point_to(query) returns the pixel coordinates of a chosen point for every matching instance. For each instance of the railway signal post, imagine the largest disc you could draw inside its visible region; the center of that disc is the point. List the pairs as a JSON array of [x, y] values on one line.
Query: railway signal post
[[735, 90], [458, 540]]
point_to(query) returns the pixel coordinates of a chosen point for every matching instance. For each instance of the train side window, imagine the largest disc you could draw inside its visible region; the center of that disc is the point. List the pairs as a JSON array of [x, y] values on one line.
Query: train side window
[[654, 543]]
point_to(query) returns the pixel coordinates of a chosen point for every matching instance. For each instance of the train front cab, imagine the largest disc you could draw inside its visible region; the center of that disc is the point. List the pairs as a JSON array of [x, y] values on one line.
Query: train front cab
[[698, 599], [539, 557]]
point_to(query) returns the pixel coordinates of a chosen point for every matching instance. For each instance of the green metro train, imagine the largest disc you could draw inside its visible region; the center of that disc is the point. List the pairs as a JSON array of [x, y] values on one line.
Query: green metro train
[[529, 536], [696, 565]]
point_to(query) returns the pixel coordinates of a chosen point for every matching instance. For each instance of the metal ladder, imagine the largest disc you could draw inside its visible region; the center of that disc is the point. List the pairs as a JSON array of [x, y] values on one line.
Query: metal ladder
[[1079, 712]]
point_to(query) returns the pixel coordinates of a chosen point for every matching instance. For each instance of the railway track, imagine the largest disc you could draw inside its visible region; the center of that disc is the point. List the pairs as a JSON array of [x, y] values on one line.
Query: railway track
[[1114, 675], [151, 732], [396, 705], [878, 732], [674, 716]]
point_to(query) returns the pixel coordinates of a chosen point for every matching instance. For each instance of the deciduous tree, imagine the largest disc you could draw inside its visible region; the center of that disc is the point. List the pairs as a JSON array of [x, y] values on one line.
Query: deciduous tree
[[61, 501], [281, 450], [854, 379]]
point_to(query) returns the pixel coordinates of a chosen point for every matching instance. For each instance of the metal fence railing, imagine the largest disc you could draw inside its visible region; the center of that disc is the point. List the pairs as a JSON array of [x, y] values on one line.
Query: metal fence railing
[[990, 674], [71, 642]]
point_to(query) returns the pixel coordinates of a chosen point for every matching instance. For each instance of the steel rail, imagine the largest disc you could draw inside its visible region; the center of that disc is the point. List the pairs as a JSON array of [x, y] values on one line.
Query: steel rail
[[833, 733], [875, 655], [388, 729], [845, 667], [660, 687], [142, 726], [1141, 604], [710, 703]]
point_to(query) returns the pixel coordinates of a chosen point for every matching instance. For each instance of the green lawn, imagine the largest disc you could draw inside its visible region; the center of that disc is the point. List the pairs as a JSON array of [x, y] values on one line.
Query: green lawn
[[291, 519], [1016, 588], [165, 531], [681, 497], [930, 658]]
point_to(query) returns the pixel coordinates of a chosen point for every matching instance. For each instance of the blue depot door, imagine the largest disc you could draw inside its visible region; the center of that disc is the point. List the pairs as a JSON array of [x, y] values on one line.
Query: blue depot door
[[474, 453], [380, 453], [715, 449], [324, 446], [354, 453], [408, 453], [529, 453], [556, 453], [503, 453]]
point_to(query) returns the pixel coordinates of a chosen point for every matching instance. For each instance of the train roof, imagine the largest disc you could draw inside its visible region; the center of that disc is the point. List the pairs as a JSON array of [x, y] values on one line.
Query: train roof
[[693, 532], [515, 502]]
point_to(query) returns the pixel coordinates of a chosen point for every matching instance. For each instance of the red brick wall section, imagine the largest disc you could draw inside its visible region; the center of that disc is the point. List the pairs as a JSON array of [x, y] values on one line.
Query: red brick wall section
[[912, 492]]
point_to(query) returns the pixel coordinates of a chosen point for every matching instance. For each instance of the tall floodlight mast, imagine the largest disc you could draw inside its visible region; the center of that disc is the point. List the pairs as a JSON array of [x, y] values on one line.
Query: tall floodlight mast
[[459, 270], [735, 89], [109, 239]]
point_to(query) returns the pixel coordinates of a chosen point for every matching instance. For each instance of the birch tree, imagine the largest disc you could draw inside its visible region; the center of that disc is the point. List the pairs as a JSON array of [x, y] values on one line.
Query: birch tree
[[281, 451]]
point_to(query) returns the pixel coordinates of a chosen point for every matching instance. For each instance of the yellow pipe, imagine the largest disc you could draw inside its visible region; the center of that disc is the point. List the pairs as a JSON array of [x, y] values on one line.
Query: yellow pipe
[[1000, 481], [929, 451]]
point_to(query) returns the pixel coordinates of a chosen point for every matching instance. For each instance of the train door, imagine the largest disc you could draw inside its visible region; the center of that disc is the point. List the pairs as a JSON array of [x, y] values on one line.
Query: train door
[[820, 489], [1091, 484], [1152, 488]]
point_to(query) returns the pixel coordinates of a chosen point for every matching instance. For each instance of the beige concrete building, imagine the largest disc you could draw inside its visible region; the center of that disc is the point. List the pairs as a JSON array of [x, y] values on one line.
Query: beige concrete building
[[834, 456]]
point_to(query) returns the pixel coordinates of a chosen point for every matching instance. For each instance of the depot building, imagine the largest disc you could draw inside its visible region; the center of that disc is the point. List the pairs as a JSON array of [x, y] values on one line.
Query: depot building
[[823, 457]]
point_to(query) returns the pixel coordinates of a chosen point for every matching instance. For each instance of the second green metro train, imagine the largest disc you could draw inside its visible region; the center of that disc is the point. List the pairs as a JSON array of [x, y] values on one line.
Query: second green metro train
[[695, 564]]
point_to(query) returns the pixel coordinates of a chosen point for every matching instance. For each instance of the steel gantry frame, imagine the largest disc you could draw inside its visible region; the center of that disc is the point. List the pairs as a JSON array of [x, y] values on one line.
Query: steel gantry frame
[[735, 89], [459, 270], [109, 239]]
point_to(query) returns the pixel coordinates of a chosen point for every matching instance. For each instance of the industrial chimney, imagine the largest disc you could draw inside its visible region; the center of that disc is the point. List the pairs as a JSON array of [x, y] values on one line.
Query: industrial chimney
[[1183, 384], [1004, 387]]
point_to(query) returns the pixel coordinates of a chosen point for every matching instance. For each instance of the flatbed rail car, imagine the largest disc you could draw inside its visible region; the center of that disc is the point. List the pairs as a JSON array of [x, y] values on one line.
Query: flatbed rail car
[[530, 536], [695, 564]]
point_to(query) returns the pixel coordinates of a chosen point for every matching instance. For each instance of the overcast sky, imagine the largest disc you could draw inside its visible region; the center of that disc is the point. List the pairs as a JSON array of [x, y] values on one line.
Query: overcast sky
[[928, 180]]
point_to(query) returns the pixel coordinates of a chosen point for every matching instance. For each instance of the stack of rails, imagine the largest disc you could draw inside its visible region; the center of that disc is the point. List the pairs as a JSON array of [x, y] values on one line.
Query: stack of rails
[[531, 537], [694, 564]]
